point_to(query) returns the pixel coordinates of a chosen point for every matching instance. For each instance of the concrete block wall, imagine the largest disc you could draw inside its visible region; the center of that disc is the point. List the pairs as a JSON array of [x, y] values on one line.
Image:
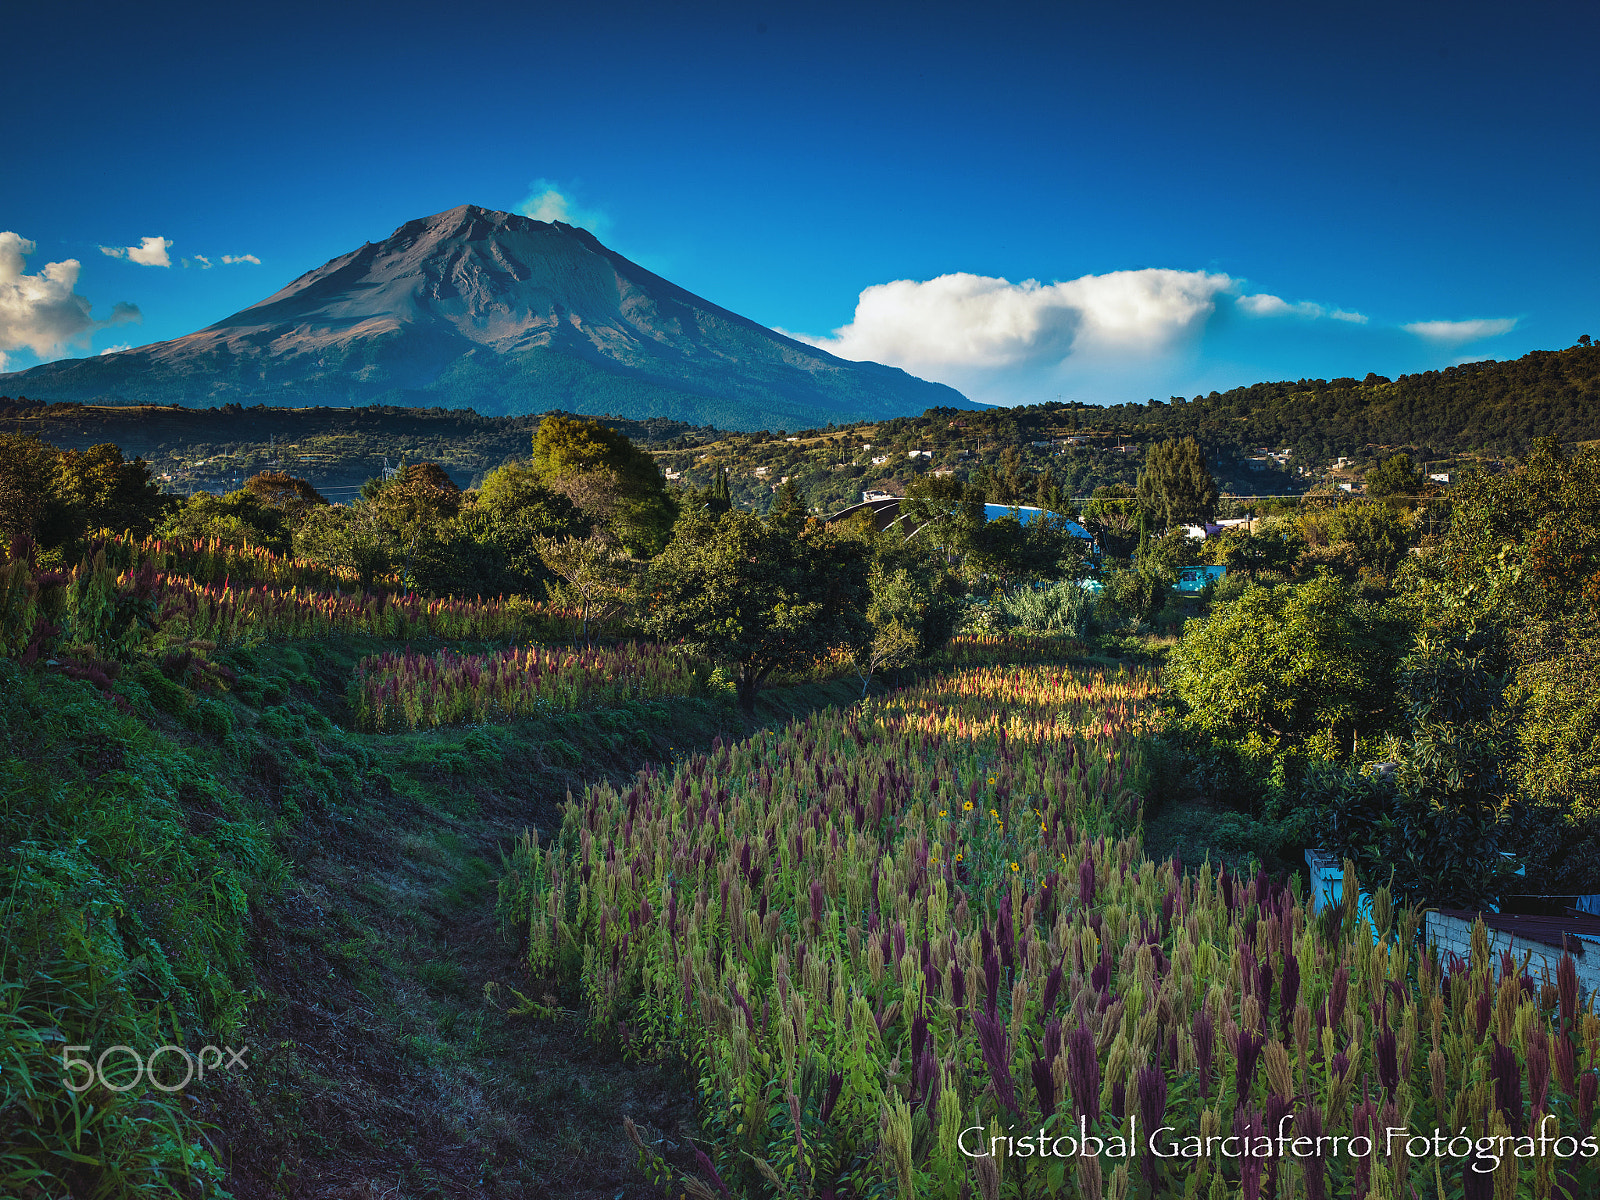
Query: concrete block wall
[[1452, 934]]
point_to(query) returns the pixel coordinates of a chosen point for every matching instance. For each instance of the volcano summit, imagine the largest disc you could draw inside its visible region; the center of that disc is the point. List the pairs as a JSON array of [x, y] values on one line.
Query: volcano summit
[[503, 314]]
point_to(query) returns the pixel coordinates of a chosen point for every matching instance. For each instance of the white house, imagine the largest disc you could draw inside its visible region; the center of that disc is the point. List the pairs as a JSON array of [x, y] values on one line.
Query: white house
[[1440, 476]]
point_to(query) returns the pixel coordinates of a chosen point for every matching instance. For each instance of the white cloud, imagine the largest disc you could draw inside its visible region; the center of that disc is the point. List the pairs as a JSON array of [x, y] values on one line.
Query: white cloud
[[1265, 305], [241, 258], [547, 202], [964, 320], [150, 252], [44, 311], [115, 349], [1461, 331], [205, 263]]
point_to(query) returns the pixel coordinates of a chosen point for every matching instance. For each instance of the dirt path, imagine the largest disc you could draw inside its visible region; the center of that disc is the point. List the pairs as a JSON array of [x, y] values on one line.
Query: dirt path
[[383, 1066]]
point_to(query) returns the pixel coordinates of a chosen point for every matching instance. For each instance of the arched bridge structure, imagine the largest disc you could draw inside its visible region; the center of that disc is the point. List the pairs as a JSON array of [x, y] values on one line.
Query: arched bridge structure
[[889, 512], [884, 514]]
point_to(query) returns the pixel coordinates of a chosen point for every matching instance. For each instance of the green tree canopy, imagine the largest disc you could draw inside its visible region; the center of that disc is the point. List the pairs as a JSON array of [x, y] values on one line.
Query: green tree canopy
[[757, 595], [1112, 516], [1175, 485], [58, 497], [1394, 476], [607, 476], [1279, 666]]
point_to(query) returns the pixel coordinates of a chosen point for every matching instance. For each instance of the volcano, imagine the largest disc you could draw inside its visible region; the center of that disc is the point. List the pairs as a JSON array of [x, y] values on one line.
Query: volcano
[[502, 314]]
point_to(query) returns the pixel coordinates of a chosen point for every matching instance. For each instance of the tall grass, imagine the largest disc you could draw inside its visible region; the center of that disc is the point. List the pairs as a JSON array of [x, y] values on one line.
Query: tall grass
[[98, 607], [213, 561], [879, 929], [405, 690]]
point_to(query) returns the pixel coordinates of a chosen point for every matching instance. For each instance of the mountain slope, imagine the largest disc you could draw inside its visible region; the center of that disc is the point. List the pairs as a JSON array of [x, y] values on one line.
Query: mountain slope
[[503, 314]]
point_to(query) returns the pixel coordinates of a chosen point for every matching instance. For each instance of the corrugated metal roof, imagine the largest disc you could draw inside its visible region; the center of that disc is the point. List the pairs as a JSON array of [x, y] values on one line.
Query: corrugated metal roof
[[1569, 932]]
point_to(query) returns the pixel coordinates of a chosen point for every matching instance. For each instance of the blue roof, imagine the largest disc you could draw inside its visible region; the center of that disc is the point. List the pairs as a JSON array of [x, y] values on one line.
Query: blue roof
[[1027, 512]]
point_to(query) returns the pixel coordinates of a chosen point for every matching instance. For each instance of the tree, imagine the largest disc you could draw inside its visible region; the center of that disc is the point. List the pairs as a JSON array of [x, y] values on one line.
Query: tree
[[1281, 666], [1112, 516], [914, 601], [1394, 476], [1274, 546], [1175, 485], [890, 637], [607, 476], [283, 491], [348, 538], [1377, 537], [28, 506], [58, 497], [1438, 818], [598, 577], [756, 595], [237, 519]]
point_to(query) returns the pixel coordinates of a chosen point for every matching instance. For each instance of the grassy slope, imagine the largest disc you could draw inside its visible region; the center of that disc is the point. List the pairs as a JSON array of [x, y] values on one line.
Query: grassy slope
[[378, 1063]]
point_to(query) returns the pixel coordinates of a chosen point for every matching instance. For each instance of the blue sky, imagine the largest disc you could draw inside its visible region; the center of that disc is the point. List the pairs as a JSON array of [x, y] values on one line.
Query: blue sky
[[1092, 202]]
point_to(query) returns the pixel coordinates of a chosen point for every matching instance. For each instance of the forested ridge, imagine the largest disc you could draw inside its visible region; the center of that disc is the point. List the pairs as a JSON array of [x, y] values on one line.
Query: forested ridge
[[1490, 409], [1494, 408]]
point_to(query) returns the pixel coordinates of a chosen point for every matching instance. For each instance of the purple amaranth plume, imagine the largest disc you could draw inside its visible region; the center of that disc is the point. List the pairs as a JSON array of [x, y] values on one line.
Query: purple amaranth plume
[[703, 1161], [818, 895], [991, 979], [1288, 992], [1086, 881], [958, 985], [1308, 1124], [744, 1004], [1338, 993], [1567, 990], [1244, 1072], [1249, 1125], [1264, 992], [1044, 1086], [924, 1075], [1052, 991], [996, 1049], [1052, 1040], [1279, 1108], [1588, 1087], [1384, 1051], [1083, 1072], [1204, 1045], [1247, 969], [1566, 1064], [1100, 977], [1361, 1126], [1119, 1100], [1476, 1184], [1340, 1066], [830, 1095], [1005, 933], [1483, 1011], [1538, 1053], [1507, 1075], [1151, 1083]]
